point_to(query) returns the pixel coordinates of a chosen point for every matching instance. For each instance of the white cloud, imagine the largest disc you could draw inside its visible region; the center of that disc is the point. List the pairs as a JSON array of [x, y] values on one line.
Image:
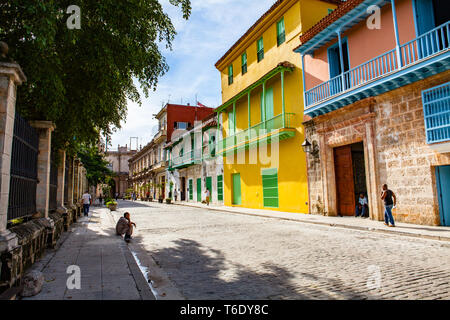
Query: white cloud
[[214, 26]]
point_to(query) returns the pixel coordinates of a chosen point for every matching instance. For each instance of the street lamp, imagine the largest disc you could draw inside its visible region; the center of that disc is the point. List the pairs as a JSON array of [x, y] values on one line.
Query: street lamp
[[312, 149]]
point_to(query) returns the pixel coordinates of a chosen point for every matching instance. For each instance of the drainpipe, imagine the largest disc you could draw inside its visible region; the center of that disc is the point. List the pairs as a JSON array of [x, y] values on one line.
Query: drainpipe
[[264, 105], [397, 38], [249, 114]]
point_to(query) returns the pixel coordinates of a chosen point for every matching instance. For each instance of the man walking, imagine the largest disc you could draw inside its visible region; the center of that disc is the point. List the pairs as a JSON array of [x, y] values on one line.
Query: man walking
[[125, 227], [87, 201], [390, 201]]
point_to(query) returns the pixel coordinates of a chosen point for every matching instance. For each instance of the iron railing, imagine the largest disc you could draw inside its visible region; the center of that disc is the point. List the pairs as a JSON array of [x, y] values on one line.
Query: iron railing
[[23, 181], [258, 130], [187, 158], [428, 44]]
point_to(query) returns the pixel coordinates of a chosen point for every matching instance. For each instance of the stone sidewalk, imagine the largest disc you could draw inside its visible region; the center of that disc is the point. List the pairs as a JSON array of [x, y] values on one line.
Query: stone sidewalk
[[404, 229], [108, 269]]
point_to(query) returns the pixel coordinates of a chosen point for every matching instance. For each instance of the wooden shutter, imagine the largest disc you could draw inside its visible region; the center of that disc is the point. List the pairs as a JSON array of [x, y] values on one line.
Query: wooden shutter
[[220, 188], [270, 187]]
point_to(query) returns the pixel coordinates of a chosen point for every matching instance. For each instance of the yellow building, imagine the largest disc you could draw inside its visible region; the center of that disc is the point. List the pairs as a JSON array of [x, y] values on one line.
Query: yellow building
[[264, 165]]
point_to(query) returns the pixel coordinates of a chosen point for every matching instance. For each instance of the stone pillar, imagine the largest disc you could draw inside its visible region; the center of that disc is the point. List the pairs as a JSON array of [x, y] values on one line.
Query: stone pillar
[[70, 184], [44, 129], [61, 182], [11, 76]]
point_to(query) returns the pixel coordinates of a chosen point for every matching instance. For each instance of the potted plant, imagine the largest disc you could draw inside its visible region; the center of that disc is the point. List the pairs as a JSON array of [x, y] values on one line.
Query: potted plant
[[112, 205], [160, 197], [169, 200]]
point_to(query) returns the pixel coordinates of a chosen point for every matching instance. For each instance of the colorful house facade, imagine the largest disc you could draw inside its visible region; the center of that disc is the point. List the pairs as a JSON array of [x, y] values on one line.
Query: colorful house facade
[[262, 110], [377, 108], [194, 165], [148, 167]]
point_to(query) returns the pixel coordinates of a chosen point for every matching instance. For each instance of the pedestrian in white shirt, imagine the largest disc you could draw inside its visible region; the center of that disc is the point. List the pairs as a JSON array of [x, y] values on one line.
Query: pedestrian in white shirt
[[87, 201], [362, 206]]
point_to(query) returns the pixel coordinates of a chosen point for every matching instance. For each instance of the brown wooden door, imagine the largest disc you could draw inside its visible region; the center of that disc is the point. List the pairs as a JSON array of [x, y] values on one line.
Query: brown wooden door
[[345, 188]]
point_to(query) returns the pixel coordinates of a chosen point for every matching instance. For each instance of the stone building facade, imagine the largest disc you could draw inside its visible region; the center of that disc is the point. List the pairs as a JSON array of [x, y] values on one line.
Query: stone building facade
[[118, 163], [384, 121]]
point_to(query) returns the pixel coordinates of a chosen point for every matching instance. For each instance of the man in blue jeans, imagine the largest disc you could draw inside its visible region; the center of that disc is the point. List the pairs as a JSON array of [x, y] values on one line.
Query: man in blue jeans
[[390, 201], [87, 201]]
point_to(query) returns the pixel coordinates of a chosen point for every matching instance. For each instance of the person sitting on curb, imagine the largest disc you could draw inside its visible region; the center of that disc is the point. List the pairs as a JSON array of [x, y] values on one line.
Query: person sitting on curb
[[125, 227]]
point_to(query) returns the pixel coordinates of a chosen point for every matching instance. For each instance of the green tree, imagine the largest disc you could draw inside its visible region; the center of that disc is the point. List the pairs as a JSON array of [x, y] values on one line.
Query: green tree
[[97, 170], [81, 79]]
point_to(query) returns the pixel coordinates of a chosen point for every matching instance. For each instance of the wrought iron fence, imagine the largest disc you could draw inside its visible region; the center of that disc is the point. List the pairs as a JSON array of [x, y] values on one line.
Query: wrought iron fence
[[53, 189], [23, 182]]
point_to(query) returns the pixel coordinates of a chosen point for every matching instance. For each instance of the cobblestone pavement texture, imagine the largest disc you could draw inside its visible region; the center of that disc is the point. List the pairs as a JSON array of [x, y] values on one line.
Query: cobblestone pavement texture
[[222, 255], [102, 257]]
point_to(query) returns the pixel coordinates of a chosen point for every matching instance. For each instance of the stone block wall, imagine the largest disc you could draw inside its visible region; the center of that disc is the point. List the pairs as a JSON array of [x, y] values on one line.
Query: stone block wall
[[392, 128], [405, 161]]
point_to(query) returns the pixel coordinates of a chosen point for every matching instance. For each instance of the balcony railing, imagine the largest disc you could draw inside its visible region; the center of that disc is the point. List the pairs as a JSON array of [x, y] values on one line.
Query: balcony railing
[[428, 44], [188, 158], [256, 131]]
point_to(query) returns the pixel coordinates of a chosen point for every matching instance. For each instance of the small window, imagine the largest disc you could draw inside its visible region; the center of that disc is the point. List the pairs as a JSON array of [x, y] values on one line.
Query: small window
[[230, 74], [260, 49], [281, 32], [330, 11], [244, 63], [181, 125]]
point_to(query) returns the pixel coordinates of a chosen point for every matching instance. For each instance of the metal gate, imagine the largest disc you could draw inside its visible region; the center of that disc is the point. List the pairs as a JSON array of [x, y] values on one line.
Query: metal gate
[[23, 182]]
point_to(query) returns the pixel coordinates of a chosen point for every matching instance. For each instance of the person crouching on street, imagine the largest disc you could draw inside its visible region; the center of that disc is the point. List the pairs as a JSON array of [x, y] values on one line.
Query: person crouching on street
[[125, 227]]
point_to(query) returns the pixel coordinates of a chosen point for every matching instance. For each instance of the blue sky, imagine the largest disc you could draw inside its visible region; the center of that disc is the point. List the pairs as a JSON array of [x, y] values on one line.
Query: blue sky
[[214, 26]]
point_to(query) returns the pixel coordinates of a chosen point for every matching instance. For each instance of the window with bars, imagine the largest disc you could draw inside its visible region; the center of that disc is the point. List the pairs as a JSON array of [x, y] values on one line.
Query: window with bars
[[281, 32], [436, 111], [260, 49]]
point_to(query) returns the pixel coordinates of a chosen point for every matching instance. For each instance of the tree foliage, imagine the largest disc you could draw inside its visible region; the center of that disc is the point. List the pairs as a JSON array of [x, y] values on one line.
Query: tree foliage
[[97, 170], [81, 79]]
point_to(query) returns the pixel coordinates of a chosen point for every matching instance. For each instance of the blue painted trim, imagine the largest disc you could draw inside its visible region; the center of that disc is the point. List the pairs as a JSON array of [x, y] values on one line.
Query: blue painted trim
[[303, 78], [416, 26], [439, 191], [384, 84]]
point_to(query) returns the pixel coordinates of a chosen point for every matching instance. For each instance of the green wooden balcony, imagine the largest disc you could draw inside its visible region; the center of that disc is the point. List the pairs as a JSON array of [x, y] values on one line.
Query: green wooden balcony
[[278, 128]]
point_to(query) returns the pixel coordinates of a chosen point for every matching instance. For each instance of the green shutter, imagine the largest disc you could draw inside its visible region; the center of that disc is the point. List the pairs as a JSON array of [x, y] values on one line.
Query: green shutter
[[260, 49], [231, 125], [220, 188], [281, 33], [244, 63], [237, 189], [270, 187], [230, 74], [268, 114], [209, 185], [199, 190], [191, 189]]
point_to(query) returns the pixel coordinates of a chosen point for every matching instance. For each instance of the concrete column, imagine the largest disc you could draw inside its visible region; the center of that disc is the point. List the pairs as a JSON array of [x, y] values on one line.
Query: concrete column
[[61, 181], [11, 76], [44, 129]]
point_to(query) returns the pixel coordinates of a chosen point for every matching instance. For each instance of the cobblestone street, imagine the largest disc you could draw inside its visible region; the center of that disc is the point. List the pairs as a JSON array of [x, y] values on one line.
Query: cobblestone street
[[220, 255]]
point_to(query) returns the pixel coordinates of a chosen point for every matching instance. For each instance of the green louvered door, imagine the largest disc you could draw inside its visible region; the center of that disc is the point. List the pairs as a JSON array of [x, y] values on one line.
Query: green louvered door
[[209, 186], [199, 190], [237, 189], [191, 189], [267, 111], [220, 188], [270, 188]]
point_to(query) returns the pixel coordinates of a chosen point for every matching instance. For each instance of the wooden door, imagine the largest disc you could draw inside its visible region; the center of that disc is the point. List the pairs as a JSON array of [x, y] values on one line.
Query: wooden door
[[199, 190], [345, 189]]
